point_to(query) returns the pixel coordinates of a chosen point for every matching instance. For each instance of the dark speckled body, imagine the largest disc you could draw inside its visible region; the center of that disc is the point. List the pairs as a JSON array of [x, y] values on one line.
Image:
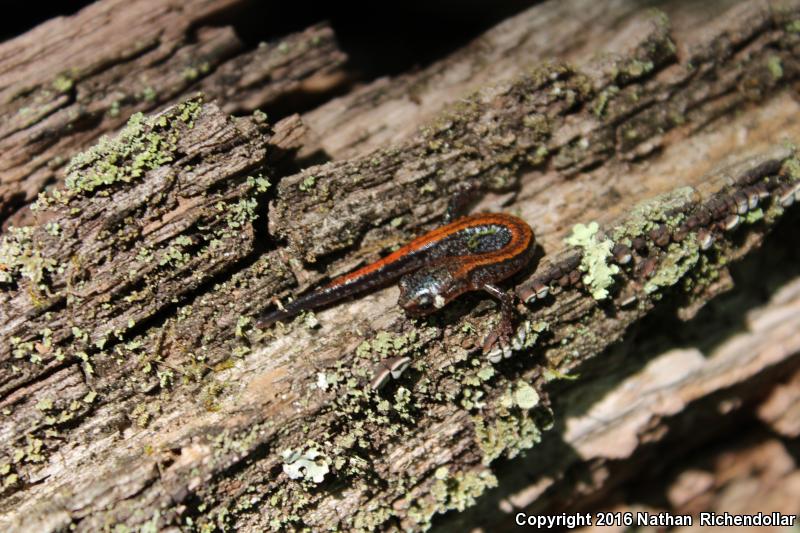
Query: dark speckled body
[[462, 256]]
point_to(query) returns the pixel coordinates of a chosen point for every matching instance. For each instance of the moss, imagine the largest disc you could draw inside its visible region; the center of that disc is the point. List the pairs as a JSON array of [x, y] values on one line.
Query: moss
[[793, 26], [599, 274]]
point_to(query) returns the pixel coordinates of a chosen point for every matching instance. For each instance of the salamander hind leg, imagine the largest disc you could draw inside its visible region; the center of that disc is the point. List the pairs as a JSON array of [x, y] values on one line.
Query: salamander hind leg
[[497, 344]]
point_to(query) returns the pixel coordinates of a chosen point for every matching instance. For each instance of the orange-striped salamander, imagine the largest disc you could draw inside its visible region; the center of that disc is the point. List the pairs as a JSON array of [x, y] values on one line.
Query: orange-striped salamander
[[472, 253]]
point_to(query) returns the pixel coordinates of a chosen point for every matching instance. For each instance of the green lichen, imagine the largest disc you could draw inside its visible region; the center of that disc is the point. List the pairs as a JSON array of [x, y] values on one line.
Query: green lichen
[[649, 214], [259, 117], [45, 404], [258, 183], [679, 259], [508, 434], [453, 492], [114, 109], [241, 213], [190, 73], [791, 168], [751, 217], [385, 343], [553, 374], [598, 273], [21, 257], [457, 492], [525, 396], [63, 83], [308, 183], [372, 516], [775, 67], [149, 94], [144, 144], [602, 100], [243, 324], [309, 465], [634, 69]]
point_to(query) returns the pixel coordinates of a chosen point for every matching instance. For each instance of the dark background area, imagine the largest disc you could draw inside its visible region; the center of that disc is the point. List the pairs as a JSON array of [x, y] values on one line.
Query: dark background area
[[380, 38]]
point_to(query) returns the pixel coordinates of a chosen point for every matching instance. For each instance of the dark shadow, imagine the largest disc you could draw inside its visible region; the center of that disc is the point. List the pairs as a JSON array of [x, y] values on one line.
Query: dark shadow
[[381, 39], [25, 16]]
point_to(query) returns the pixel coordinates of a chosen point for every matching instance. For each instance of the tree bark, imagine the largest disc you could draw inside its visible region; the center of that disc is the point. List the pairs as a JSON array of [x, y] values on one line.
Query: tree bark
[[651, 151]]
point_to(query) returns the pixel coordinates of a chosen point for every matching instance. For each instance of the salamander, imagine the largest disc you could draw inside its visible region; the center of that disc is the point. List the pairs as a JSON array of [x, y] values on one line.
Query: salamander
[[472, 253]]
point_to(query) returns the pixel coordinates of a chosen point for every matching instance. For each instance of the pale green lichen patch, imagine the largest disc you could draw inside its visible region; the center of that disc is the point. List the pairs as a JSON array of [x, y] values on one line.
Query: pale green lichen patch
[[456, 492], [791, 168], [385, 343], [308, 183], [508, 434], [602, 100], [665, 208], [751, 217], [595, 259], [20, 257], [460, 490], [308, 465], [63, 83], [144, 144], [525, 396], [775, 67], [679, 259]]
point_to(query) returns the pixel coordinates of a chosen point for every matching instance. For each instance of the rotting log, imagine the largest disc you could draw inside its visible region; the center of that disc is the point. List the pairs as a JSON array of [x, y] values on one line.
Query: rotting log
[[136, 392], [73, 79]]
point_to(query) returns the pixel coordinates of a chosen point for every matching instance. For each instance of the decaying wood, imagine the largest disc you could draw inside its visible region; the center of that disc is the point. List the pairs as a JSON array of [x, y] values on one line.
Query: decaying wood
[[72, 79], [136, 392]]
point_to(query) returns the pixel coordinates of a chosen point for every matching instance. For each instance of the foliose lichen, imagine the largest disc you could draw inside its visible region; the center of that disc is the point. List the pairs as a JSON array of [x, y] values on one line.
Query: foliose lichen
[[595, 260]]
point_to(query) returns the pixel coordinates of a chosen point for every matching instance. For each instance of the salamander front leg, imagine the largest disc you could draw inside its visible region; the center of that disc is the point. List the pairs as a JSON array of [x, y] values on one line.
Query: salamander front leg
[[497, 345]]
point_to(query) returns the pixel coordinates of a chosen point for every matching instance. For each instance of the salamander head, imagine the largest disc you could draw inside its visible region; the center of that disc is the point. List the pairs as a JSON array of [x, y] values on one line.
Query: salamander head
[[428, 289]]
